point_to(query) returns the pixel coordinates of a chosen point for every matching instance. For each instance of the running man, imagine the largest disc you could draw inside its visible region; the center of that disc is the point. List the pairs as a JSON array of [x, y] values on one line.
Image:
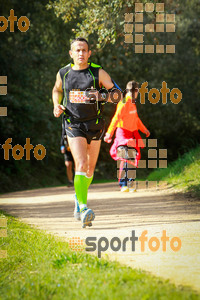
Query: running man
[[83, 123]]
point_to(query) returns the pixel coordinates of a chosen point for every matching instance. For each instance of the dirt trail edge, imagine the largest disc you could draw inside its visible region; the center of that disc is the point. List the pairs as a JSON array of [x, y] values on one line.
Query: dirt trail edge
[[119, 217]]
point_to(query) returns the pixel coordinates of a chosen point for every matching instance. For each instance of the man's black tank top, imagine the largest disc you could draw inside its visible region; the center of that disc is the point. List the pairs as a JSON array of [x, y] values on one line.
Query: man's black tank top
[[81, 80]]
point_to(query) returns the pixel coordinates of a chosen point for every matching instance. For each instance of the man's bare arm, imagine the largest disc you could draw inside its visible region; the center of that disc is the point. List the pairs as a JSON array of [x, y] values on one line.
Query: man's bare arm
[[106, 81], [57, 95]]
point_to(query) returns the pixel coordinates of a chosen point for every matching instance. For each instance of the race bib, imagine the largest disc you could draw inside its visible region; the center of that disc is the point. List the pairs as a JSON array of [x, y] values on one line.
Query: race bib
[[77, 96]]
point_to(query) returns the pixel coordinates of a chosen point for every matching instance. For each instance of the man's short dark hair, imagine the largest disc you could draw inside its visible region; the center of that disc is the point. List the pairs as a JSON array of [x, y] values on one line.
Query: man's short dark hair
[[80, 39]]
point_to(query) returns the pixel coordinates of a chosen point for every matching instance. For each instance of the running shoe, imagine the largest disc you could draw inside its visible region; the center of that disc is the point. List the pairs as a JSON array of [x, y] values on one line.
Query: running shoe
[[87, 216], [76, 209], [70, 184], [124, 189]]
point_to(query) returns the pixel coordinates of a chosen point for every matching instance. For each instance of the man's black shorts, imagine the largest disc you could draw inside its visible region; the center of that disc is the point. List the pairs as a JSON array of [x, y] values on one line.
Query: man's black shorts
[[92, 130], [68, 156]]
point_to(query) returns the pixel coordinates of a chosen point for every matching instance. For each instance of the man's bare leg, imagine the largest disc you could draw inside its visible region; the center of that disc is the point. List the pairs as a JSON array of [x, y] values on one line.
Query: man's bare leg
[[78, 146], [85, 157], [92, 156]]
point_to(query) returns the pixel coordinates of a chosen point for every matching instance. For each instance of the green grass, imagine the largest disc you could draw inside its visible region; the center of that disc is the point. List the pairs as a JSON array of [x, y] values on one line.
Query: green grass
[[41, 266], [183, 174]]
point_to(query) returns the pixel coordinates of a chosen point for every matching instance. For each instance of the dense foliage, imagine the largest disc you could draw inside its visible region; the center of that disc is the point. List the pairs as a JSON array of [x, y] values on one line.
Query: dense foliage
[[31, 60]]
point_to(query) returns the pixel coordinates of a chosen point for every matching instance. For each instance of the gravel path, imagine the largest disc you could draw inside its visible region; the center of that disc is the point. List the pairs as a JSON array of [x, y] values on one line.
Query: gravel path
[[120, 216]]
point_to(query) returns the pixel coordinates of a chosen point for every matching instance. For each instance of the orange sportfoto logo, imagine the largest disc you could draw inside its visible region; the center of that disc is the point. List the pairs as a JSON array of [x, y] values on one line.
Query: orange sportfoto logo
[[23, 22]]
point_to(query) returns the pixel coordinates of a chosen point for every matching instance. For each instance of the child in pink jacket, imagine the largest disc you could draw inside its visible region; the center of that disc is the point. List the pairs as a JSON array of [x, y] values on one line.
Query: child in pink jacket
[[127, 122]]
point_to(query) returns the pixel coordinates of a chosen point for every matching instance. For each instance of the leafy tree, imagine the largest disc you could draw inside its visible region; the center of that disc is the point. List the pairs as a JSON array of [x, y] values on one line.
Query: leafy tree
[[30, 61], [177, 127]]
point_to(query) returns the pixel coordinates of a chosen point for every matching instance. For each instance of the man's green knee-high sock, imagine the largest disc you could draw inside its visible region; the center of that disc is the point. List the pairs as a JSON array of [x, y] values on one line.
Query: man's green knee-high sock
[[89, 180], [81, 187]]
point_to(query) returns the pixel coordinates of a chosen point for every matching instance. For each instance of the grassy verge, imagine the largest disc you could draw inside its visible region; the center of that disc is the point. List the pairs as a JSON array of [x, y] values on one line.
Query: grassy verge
[[40, 266], [183, 174]]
